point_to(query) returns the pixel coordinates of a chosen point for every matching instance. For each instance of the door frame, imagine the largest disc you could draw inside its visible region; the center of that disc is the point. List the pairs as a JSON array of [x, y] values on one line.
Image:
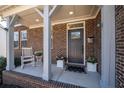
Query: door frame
[[84, 40]]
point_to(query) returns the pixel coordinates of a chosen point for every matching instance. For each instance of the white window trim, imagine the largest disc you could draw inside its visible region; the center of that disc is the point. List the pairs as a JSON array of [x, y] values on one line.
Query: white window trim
[[23, 39], [18, 40]]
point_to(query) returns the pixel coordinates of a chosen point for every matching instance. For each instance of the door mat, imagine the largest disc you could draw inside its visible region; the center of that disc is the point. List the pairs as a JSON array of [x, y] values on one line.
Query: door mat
[[75, 69]]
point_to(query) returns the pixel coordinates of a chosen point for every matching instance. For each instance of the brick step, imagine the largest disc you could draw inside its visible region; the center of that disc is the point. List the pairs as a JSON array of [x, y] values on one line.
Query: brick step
[[28, 81]]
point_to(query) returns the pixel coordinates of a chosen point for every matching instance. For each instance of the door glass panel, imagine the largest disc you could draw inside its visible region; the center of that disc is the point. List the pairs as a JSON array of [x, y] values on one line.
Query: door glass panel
[[75, 35]]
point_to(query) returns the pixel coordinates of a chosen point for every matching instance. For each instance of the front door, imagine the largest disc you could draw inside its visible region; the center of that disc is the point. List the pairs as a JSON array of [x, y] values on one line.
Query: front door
[[75, 46]]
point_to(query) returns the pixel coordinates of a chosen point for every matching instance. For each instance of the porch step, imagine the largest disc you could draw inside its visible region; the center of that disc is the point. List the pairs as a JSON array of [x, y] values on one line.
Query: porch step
[[28, 81]]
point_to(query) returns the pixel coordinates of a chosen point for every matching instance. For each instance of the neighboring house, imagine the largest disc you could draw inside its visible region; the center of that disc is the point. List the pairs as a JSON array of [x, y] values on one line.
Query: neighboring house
[[77, 32], [2, 42]]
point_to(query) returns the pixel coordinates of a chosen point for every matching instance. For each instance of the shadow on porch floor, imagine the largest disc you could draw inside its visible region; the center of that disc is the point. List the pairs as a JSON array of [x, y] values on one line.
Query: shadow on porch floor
[[90, 80]]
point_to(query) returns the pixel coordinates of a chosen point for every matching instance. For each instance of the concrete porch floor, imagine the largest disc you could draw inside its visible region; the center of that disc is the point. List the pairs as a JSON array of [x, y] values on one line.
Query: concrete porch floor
[[89, 80]]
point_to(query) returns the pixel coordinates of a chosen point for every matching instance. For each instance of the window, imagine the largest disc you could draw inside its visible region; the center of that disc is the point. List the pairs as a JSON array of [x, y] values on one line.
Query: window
[[3, 23], [51, 37], [51, 41], [75, 25], [16, 39], [24, 38], [75, 35]]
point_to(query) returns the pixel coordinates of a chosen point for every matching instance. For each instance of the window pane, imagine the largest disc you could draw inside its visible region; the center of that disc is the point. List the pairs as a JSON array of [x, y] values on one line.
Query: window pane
[[75, 35], [3, 23], [24, 35], [16, 39], [24, 38], [24, 43], [75, 25], [16, 44]]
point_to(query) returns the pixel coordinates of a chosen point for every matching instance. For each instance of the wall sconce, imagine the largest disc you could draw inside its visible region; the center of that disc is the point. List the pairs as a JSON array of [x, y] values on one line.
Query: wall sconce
[[98, 24], [90, 39]]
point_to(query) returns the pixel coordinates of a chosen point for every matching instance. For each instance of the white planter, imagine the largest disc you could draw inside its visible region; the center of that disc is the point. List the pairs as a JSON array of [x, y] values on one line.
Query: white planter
[[91, 67], [60, 63]]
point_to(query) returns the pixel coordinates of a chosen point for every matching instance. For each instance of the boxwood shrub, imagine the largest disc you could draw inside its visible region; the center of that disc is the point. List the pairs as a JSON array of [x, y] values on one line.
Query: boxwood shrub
[[2, 62], [17, 61]]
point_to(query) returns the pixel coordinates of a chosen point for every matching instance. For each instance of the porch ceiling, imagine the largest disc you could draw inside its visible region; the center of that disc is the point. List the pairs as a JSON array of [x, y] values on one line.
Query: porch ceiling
[[31, 18]]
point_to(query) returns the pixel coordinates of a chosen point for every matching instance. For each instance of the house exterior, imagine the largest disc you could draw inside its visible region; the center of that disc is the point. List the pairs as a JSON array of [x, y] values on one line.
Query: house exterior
[[106, 29], [59, 38], [119, 46]]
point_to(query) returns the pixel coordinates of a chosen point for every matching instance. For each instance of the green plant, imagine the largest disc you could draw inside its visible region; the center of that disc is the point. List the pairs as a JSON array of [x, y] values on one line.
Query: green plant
[[2, 62], [38, 53], [17, 61], [91, 59]]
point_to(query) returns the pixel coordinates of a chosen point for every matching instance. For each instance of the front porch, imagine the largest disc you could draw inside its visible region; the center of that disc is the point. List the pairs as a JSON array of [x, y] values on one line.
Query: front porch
[[89, 80], [53, 35]]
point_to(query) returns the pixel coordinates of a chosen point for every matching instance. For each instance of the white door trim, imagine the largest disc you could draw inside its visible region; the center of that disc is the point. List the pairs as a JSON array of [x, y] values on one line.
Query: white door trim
[[84, 38]]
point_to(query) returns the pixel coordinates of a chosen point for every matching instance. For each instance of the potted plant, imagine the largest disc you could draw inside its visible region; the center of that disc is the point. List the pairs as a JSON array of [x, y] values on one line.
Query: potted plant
[[60, 61], [38, 55], [91, 63]]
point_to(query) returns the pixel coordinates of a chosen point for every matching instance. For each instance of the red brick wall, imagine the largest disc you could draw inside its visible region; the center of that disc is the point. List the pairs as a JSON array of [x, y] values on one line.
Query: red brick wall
[[35, 38], [59, 41], [94, 49], [119, 19], [89, 33], [97, 40]]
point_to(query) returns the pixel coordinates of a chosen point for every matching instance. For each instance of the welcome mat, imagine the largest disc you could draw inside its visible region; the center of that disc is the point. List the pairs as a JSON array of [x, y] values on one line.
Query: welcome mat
[[75, 69]]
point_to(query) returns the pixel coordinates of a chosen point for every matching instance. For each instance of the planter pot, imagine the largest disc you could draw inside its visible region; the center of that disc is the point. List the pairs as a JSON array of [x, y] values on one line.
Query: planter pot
[[60, 63], [39, 58], [91, 67]]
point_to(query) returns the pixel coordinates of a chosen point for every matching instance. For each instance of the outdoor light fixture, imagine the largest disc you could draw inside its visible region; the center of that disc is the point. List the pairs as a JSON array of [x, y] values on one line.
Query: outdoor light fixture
[[37, 20], [71, 13], [98, 24]]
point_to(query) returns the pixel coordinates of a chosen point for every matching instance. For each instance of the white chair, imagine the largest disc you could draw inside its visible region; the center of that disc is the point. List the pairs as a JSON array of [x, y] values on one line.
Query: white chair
[[27, 56]]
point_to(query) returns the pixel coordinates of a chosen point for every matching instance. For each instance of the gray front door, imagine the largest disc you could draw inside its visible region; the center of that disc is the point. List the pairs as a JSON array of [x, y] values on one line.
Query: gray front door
[[75, 46]]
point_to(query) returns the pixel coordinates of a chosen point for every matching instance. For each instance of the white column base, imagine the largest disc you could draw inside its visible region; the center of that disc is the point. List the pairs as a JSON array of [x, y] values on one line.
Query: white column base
[[10, 68]]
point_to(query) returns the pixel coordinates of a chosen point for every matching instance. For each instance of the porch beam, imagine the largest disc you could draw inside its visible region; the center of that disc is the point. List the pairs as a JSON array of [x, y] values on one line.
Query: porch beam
[[52, 10], [39, 12], [46, 44], [17, 9], [108, 46], [10, 44], [14, 19]]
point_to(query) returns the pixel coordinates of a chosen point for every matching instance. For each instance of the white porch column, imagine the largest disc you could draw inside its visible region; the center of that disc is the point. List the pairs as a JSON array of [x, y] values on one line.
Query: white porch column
[[46, 45], [108, 46], [10, 43]]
